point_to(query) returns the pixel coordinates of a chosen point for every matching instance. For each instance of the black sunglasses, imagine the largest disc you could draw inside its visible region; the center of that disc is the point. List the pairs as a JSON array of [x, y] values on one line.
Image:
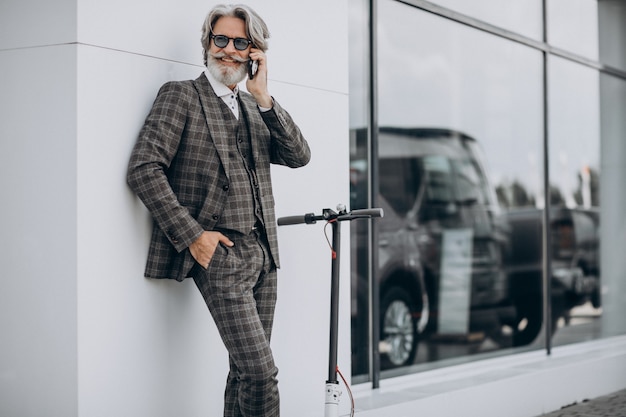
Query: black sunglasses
[[241, 44]]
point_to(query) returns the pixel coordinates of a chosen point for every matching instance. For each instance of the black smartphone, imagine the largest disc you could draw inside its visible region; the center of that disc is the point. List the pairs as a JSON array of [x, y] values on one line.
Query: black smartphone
[[252, 67]]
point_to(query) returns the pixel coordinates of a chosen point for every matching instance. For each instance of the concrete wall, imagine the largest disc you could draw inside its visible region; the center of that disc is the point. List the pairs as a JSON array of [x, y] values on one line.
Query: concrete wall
[[612, 14], [38, 303], [82, 332]]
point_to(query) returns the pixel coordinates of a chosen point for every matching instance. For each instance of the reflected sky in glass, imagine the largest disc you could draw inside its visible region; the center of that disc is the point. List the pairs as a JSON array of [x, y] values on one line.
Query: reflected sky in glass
[[574, 128], [520, 16], [573, 26], [438, 73]]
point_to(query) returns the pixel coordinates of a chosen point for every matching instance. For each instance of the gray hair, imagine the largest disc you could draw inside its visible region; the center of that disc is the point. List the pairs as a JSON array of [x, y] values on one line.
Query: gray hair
[[256, 29]]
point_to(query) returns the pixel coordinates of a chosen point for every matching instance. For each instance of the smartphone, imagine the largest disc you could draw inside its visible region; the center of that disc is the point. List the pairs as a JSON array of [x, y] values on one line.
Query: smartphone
[[252, 67]]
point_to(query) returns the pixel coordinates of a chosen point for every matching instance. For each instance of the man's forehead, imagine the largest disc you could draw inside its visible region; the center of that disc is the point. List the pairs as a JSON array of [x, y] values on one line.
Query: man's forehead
[[229, 23]]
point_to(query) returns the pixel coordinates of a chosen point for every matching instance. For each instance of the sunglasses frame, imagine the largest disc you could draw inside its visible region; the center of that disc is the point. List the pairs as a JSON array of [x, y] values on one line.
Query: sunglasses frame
[[235, 40]]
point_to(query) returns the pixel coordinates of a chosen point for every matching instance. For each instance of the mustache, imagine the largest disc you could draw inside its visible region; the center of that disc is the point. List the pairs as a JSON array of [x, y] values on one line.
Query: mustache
[[221, 55]]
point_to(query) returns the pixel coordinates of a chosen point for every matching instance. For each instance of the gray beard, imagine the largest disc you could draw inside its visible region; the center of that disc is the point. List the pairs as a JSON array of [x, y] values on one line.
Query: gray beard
[[227, 76]]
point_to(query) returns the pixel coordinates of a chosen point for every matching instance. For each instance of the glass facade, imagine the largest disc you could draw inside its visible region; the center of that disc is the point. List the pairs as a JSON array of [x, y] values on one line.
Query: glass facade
[[573, 26], [449, 133], [519, 16]]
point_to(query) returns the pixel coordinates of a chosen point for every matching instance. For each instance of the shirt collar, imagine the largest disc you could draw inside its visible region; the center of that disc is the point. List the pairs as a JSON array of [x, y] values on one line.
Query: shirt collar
[[219, 87]]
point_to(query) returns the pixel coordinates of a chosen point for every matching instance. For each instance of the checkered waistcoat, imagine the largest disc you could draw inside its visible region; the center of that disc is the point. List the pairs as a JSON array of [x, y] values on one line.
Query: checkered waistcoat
[[179, 168], [243, 208]]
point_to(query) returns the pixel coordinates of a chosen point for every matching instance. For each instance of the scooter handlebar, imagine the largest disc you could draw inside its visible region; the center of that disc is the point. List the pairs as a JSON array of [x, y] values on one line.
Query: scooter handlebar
[[289, 220], [371, 212], [311, 218]]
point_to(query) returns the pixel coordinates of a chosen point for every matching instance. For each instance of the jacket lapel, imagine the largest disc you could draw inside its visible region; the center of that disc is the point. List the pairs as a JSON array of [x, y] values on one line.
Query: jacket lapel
[[214, 119], [254, 119]]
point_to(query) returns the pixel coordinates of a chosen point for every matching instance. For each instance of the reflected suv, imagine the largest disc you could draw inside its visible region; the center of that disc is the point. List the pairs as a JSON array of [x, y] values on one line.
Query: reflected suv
[[439, 245]]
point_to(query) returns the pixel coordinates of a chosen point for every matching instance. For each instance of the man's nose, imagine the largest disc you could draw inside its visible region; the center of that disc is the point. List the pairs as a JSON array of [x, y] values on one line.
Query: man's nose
[[230, 46]]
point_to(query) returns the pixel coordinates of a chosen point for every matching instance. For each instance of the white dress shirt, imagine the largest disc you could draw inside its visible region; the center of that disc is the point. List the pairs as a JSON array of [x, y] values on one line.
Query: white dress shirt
[[228, 96]]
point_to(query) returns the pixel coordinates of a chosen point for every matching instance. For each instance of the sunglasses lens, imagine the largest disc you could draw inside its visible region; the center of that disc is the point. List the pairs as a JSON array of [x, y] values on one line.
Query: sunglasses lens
[[241, 43], [220, 41]]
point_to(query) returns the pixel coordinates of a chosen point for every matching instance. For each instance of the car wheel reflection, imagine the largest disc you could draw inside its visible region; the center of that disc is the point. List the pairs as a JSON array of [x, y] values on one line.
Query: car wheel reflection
[[399, 334], [529, 320]]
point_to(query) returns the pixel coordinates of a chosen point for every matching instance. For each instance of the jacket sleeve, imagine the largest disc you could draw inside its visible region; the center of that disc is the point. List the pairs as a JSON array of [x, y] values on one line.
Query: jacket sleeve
[[150, 159], [288, 146]]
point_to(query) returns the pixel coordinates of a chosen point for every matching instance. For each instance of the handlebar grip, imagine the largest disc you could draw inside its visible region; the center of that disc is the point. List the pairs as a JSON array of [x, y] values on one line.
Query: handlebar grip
[[371, 212], [286, 221]]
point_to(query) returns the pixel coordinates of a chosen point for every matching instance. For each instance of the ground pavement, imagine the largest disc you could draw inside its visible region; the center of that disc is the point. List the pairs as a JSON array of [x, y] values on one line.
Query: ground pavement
[[612, 405]]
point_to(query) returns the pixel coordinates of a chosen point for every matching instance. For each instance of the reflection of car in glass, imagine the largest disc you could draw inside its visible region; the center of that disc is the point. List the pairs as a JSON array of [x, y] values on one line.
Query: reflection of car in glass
[[575, 247], [575, 265], [439, 244]]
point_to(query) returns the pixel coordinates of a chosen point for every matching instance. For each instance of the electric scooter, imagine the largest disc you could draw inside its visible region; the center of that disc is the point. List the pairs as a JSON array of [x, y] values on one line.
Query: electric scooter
[[331, 404]]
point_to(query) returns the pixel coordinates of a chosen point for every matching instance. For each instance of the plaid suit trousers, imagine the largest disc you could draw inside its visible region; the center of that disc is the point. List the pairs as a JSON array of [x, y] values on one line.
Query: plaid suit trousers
[[239, 288]]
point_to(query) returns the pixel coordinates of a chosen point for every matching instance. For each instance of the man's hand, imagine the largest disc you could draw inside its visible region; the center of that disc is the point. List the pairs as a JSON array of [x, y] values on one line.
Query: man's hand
[[203, 248], [258, 85]]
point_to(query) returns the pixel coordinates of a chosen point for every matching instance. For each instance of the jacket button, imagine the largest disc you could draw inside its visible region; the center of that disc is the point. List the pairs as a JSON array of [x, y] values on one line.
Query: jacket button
[[215, 217], [225, 187]]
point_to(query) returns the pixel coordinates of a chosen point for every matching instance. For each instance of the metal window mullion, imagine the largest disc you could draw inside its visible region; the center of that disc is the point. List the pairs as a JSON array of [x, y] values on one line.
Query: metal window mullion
[[547, 247], [374, 322]]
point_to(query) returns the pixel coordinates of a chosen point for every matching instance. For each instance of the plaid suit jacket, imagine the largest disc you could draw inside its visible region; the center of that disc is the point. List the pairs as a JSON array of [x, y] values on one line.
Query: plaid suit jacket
[[179, 168]]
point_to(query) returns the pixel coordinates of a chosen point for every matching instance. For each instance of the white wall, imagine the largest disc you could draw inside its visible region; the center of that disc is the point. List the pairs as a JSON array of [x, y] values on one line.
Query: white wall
[[38, 209], [38, 224], [83, 333], [613, 200]]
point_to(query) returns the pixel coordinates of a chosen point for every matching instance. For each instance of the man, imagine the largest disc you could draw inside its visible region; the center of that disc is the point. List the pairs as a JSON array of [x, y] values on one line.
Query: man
[[201, 165]]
